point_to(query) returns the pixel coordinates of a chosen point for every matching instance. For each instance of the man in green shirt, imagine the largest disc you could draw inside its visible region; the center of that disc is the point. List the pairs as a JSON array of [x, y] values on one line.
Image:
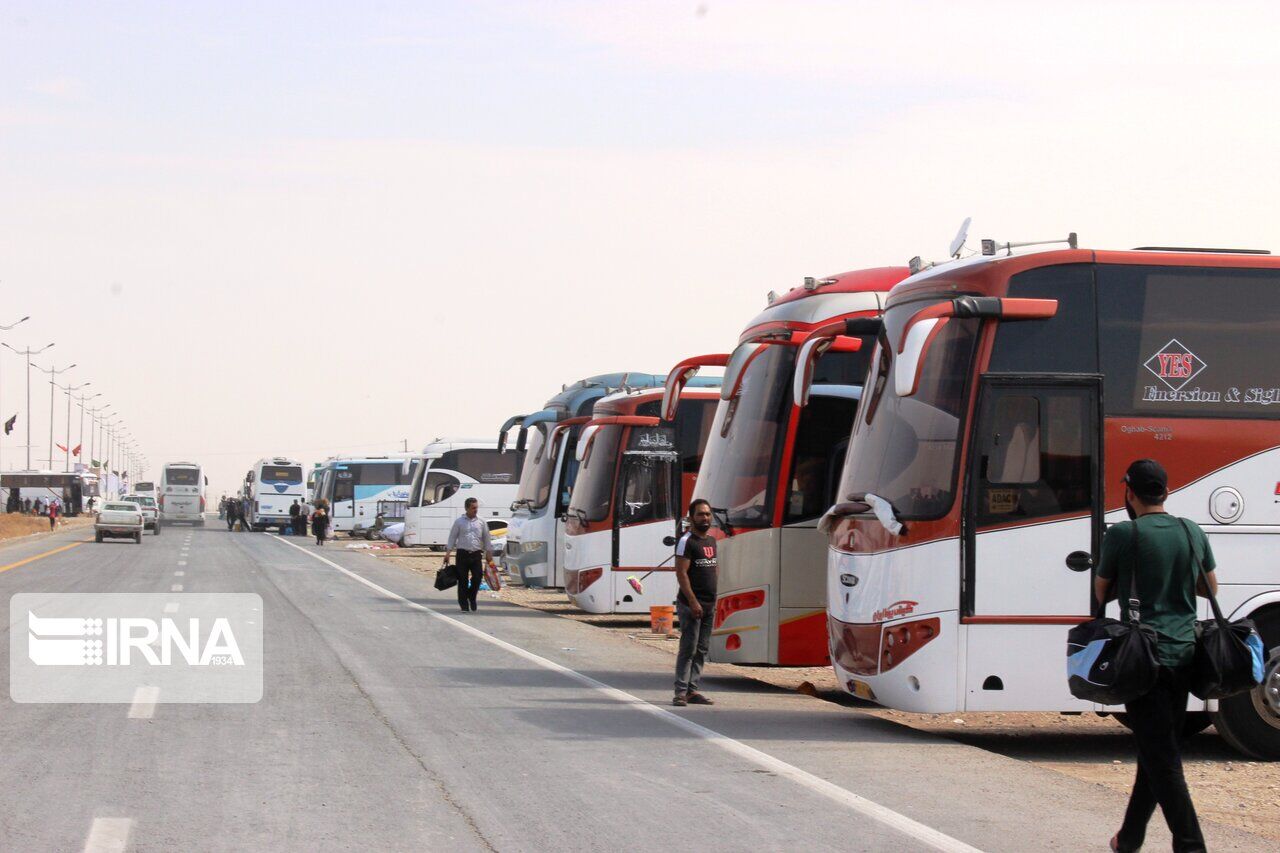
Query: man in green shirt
[[1162, 561]]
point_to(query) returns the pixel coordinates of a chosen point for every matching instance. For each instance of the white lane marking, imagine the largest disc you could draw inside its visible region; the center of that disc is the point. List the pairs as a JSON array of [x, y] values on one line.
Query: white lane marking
[[144, 703], [182, 562], [177, 587], [926, 835], [178, 574], [171, 607], [108, 835]]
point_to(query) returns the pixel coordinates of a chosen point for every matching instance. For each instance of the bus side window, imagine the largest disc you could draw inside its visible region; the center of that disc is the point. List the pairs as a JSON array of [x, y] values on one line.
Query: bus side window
[[646, 491], [438, 487], [1035, 454]]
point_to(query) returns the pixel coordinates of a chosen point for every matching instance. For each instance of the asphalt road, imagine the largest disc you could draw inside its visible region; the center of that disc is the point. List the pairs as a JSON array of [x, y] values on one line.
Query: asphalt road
[[389, 721]]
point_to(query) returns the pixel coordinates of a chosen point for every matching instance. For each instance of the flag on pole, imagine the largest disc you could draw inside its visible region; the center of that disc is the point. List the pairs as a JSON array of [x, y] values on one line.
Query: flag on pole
[[75, 451], [8, 425], [95, 463], [60, 447]]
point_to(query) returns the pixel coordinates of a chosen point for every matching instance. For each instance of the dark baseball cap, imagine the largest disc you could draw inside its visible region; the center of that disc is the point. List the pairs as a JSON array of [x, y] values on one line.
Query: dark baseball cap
[[1147, 479]]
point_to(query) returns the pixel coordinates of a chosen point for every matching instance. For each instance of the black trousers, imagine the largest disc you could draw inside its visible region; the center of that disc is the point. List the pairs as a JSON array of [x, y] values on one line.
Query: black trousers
[[1156, 719], [470, 570]]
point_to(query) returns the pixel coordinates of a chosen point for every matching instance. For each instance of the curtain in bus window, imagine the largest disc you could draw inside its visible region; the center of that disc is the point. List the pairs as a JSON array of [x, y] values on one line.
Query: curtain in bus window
[[1189, 342]]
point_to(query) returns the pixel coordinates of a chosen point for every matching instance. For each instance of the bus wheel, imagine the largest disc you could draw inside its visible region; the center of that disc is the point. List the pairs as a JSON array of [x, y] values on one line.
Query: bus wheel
[[1250, 722]]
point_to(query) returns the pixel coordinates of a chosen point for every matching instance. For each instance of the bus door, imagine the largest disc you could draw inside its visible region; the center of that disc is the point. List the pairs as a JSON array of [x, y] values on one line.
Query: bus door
[[646, 512], [1033, 527], [344, 493]]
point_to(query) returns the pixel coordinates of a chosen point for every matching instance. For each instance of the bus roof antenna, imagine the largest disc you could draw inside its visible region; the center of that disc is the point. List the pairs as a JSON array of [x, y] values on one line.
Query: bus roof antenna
[[963, 234]]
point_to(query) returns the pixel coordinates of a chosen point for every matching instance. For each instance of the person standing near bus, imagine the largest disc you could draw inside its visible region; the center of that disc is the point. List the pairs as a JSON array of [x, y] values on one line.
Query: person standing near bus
[[320, 523], [294, 509], [470, 536], [696, 569], [304, 513], [229, 512], [53, 514], [1150, 558]]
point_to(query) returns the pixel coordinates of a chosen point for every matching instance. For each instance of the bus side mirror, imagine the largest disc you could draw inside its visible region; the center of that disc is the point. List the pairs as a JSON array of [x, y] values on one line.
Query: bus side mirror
[[680, 376], [669, 541], [925, 324], [831, 337]]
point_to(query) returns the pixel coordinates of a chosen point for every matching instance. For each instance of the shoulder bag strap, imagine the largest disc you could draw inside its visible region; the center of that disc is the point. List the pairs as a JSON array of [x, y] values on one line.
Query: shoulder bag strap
[[1200, 574], [1133, 612]]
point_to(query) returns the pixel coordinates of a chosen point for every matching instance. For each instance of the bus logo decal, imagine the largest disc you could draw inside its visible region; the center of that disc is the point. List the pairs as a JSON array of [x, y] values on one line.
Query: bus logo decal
[[894, 611], [1175, 365]]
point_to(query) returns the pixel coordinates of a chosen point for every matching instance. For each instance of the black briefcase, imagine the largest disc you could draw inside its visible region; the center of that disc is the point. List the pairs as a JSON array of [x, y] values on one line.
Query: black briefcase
[[447, 577]]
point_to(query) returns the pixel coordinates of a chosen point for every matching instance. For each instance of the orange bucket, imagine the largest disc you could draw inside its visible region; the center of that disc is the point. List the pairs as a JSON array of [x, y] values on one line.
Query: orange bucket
[[662, 618]]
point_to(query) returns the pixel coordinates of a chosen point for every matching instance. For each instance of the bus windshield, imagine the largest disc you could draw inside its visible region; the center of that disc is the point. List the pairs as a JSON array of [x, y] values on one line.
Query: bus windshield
[[746, 438], [182, 476], [281, 474], [906, 449], [593, 492], [539, 469]]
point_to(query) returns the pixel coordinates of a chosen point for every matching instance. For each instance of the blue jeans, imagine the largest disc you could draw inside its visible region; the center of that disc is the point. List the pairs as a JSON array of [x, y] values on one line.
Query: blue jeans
[[695, 639]]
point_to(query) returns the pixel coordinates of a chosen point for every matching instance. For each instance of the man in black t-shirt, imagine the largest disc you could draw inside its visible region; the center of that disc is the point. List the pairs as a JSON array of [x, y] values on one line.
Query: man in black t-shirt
[[696, 604]]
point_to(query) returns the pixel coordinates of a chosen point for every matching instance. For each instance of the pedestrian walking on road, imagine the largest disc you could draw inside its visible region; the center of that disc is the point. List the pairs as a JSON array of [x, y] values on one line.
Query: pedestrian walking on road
[[293, 517], [320, 524], [53, 514], [229, 511], [696, 570], [470, 536], [1151, 558]]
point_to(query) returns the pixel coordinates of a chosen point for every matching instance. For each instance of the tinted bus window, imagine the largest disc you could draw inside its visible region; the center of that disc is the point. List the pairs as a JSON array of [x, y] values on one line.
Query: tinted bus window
[[484, 466], [182, 476], [1066, 343], [281, 474], [1189, 342]]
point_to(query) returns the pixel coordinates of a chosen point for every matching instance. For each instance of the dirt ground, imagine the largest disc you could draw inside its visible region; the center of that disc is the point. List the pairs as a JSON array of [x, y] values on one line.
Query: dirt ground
[[1226, 788], [17, 526]]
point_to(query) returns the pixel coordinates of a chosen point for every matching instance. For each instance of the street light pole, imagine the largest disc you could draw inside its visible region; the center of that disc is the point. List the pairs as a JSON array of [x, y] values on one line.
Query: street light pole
[[53, 377], [28, 352], [83, 399], [6, 329], [69, 389]]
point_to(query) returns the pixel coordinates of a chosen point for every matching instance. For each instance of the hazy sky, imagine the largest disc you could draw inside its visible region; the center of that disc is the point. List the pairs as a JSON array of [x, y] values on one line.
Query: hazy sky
[[312, 228]]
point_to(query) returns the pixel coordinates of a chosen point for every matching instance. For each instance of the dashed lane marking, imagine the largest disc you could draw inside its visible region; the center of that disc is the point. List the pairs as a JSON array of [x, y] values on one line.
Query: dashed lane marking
[[144, 703], [178, 574], [41, 556], [108, 835], [926, 835], [177, 587]]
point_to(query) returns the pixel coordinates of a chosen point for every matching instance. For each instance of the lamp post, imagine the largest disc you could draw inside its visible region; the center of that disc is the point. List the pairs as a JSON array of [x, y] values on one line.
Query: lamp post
[[28, 352], [94, 423], [53, 380], [70, 389], [83, 399], [6, 329]]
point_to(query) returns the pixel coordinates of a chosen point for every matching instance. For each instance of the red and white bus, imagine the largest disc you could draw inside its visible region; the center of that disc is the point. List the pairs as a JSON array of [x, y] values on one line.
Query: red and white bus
[[1007, 395], [635, 478], [771, 468]]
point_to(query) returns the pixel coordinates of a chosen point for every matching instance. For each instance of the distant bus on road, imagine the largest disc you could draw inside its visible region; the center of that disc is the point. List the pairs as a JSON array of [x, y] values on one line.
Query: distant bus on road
[[358, 488], [146, 488], [182, 488], [73, 489], [451, 471], [272, 485]]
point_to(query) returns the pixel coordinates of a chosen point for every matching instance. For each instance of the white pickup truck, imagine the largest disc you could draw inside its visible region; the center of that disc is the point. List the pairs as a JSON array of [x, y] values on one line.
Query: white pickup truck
[[119, 519], [150, 512]]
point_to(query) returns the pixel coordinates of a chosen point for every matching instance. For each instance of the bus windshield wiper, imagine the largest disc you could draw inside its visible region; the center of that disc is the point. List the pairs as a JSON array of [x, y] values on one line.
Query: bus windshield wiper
[[721, 516]]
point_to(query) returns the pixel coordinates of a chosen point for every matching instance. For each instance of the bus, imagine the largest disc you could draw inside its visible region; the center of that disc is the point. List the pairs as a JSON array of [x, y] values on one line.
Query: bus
[[75, 490], [771, 468], [636, 478], [272, 485], [182, 492], [361, 490], [535, 536], [1007, 395], [146, 488], [449, 471]]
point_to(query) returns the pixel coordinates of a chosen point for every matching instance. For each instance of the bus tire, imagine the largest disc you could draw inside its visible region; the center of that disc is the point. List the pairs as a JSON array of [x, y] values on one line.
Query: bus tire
[[1250, 722]]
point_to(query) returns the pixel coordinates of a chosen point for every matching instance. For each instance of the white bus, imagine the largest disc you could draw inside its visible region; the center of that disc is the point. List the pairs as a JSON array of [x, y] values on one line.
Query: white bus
[[272, 485], [146, 488], [360, 489], [77, 491], [182, 492], [1006, 398], [451, 470]]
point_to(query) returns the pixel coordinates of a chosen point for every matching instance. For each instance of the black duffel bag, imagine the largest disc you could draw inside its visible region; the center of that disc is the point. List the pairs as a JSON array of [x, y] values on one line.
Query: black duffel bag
[[447, 577], [1110, 661], [1229, 655]]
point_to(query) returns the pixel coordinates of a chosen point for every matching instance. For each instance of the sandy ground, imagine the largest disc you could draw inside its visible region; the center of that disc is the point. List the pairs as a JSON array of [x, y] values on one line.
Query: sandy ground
[[18, 526], [1226, 788]]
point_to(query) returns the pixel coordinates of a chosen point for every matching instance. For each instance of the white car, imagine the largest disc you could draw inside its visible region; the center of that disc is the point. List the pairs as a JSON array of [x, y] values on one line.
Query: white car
[[119, 519], [150, 512]]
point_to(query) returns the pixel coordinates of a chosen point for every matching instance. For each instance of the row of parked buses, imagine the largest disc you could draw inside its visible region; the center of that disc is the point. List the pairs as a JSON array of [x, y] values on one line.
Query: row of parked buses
[[911, 469]]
